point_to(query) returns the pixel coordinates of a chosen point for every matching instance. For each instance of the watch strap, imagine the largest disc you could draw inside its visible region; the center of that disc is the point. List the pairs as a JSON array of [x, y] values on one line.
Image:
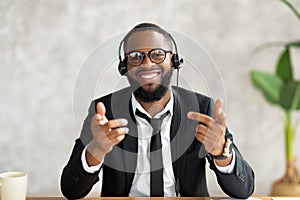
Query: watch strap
[[227, 150]]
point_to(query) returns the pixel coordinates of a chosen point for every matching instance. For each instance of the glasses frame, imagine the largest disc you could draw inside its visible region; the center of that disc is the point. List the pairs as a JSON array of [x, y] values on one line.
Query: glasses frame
[[148, 53]]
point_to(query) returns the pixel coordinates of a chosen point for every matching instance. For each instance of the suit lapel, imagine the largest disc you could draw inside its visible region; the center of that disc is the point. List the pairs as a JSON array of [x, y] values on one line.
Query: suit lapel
[[175, 140], [130, 146], [122, 108], [182, 132]]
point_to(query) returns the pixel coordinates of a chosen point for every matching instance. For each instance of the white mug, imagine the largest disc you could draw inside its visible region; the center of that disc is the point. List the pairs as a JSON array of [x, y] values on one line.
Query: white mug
[[13, 185]]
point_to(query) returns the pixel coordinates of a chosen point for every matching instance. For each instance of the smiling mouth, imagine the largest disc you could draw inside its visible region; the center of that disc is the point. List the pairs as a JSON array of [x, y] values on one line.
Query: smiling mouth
[[149, 76]]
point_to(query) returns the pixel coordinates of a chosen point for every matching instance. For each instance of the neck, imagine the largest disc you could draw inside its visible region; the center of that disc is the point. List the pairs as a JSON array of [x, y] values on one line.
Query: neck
[[156, 106]]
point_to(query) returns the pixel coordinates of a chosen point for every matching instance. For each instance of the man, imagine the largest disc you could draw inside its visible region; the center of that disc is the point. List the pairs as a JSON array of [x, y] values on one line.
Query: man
[[139, 159]]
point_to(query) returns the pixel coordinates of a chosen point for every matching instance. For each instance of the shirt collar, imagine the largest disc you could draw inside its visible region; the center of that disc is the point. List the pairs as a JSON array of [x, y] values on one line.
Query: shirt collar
[[168, 107]]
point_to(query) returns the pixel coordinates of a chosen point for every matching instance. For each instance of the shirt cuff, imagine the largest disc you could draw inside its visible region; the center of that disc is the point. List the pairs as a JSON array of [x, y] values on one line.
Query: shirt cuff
[[86, 167], [229, 168]]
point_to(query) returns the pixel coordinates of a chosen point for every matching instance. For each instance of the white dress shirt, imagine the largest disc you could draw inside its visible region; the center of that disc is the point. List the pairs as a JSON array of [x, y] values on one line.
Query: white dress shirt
[[141, 181]]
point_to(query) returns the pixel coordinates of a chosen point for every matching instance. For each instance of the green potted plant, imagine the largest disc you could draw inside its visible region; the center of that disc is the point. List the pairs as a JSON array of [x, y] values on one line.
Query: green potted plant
[[282, 89]]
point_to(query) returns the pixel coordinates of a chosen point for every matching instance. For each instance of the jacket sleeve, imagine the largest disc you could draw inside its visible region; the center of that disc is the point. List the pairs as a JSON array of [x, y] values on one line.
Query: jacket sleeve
[[75, 181], [239, 183]]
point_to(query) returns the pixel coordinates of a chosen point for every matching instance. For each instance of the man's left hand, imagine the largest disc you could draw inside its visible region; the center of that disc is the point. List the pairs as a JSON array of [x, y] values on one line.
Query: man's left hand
[[211, 130]]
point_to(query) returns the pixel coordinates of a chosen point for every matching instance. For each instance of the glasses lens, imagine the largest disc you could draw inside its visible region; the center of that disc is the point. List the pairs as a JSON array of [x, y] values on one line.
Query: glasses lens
[[135, 58], [157, 55]]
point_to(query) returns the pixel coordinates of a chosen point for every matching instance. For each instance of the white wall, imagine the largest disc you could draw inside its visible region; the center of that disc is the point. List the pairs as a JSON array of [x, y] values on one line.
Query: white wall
[[44, 44]]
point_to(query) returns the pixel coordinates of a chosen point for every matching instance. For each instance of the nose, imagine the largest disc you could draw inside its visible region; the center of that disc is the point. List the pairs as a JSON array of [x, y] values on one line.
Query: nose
[[147, 59]]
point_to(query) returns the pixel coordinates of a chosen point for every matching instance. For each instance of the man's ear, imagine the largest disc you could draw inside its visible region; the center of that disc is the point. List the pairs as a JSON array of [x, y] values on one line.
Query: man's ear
[[174, 61], [171, 61]]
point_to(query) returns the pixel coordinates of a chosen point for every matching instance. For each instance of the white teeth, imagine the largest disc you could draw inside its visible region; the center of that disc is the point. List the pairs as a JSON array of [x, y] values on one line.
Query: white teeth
[[149, 75]]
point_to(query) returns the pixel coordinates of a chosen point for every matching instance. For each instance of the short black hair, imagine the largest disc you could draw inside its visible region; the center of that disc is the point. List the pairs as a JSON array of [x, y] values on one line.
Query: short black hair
[[145, 27]]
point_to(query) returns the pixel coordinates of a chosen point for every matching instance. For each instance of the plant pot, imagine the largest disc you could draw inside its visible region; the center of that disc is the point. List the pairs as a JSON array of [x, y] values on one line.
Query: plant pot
[[285, 189]]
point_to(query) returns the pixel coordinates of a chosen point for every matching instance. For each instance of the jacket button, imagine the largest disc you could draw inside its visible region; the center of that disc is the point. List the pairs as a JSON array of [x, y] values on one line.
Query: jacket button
[[242, 177]]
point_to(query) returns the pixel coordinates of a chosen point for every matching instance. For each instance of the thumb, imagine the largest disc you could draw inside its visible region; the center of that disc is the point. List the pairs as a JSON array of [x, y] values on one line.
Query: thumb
[[101, 110], [218, 108]]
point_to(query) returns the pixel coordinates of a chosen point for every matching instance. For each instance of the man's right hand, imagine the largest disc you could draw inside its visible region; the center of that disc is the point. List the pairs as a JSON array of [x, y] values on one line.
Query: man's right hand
[[106, 134]]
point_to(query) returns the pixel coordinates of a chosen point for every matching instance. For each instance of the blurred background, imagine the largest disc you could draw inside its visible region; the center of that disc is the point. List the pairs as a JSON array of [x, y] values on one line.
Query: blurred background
[[44, 44]]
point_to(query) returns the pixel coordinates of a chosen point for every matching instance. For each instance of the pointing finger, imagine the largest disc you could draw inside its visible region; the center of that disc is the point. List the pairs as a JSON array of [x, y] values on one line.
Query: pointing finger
[[205, 119], [116, 123]]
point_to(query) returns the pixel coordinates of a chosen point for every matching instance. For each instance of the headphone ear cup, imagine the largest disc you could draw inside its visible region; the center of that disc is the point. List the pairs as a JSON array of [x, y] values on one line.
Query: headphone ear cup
[[123, 67], [176, 62]]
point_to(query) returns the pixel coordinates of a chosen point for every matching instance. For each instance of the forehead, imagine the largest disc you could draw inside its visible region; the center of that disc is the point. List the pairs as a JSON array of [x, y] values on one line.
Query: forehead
[[146, 40]]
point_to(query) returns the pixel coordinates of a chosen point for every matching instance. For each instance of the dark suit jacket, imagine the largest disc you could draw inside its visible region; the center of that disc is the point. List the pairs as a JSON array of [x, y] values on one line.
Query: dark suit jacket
[[120, 164]]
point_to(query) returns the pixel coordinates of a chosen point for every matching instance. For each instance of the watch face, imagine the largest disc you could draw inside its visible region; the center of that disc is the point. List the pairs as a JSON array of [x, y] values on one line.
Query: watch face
[[227, 148]]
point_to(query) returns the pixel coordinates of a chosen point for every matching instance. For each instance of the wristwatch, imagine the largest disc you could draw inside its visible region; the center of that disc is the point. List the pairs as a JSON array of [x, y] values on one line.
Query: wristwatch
[[227, 151]]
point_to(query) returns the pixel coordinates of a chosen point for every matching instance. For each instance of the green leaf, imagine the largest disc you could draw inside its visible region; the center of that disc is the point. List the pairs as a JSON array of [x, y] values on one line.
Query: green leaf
[[284, 66], [294, 44], [270, 85], [290, 96], [292, 8]]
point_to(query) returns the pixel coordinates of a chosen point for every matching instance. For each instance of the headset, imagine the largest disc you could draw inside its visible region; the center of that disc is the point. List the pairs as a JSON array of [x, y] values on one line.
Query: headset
[[177, 62]]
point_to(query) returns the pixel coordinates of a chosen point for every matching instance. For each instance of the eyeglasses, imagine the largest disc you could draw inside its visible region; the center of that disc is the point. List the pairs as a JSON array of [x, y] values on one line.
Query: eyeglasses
[[136, 58]]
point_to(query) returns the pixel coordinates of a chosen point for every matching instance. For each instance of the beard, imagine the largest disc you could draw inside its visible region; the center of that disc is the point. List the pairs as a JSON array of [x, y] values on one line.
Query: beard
[[151, 96]]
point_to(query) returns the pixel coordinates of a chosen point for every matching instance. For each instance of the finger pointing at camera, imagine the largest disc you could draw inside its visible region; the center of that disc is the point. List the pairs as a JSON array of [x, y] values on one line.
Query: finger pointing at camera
[[106, 134]]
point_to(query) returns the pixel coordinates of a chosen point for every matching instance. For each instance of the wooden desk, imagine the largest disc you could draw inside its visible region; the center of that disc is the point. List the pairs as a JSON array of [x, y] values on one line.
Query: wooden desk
[[142, 198], [127, 198]]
